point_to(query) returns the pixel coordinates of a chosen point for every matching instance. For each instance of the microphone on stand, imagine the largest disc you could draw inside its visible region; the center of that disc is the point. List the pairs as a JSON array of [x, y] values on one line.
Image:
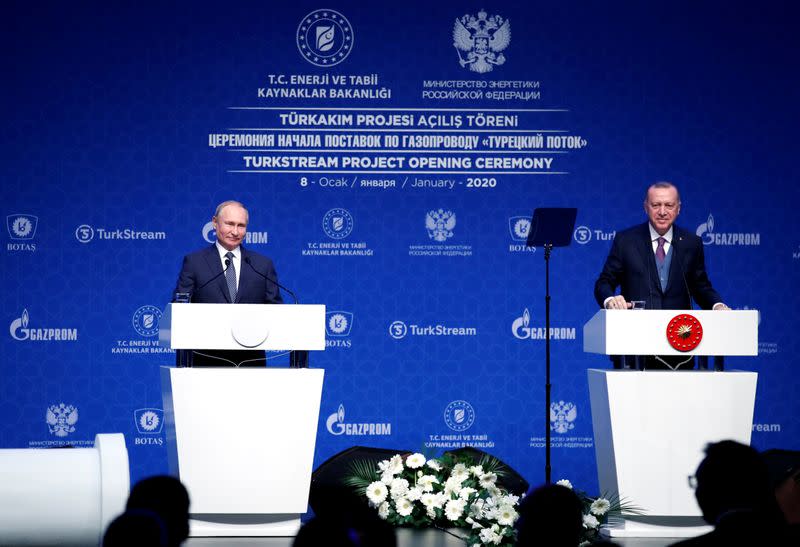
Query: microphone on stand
[[297, 358], [270, 279], [227, 265], [184, 358]]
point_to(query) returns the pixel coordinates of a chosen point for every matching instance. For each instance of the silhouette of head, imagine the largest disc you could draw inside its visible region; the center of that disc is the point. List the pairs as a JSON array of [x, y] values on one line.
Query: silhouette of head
[[732, 477], [551, 515], [344, 519], [168, 498], [136, 528]]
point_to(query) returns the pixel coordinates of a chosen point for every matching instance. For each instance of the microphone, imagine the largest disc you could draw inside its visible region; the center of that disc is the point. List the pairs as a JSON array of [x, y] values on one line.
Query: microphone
[[683, 276], [297, 358], [227, 265], [270, 279]]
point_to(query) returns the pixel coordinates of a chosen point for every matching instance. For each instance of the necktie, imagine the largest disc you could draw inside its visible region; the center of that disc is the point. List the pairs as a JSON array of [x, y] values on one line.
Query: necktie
[[660, 254], [230, 276]]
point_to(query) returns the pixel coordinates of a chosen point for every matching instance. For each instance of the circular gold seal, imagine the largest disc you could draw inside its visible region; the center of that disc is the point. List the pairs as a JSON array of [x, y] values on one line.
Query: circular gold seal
[[684, 332]]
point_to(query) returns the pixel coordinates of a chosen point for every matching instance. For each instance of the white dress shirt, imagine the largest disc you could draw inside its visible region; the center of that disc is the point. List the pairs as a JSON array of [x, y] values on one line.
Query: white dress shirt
[[237, 260]]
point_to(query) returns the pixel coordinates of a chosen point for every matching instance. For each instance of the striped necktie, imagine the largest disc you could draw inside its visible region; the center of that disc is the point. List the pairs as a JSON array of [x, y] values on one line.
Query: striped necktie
[[230, 276]]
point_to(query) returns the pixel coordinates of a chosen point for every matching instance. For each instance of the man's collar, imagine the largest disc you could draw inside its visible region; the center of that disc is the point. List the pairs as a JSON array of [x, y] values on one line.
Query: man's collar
[[655, 235], [237, 252]]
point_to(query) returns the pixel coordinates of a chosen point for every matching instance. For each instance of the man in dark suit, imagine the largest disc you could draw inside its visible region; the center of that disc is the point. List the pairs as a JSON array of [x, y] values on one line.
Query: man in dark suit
[[657, 263], [226, 272]]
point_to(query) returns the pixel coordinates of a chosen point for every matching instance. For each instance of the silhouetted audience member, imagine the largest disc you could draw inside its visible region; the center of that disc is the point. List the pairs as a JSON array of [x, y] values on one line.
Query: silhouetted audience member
[[345, 519], [735, 496], [136, 528], [321, 531], [550, 515], [167, 497], [784, 471]]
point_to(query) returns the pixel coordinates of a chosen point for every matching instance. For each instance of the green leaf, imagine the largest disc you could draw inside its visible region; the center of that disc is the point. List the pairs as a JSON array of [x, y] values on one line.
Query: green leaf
[[362, 473]]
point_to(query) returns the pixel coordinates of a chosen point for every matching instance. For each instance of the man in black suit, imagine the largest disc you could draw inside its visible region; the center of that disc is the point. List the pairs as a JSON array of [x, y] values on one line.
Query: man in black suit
[[657, 263], [226, 272]]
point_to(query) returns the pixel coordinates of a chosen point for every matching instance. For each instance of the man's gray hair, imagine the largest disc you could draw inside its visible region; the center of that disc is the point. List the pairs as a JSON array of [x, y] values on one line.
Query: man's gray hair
[[662, 184], [224, 204]]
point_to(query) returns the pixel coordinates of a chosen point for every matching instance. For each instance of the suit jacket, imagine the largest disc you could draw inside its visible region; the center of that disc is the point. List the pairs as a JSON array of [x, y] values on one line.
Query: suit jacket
[[631, 265], [200, 268]]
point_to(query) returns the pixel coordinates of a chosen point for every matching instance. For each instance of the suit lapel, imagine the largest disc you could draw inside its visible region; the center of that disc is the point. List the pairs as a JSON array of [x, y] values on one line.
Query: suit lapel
[[244, 274], [649, 258], [675, 268], [215, 267]]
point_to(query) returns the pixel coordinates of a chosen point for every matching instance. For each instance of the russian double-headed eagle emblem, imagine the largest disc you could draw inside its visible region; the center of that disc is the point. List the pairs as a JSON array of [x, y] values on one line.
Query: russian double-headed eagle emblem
[[61, 419], [440, 224], [483, 39]]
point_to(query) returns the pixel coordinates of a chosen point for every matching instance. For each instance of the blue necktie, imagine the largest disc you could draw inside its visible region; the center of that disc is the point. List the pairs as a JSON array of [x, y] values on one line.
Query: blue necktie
[[230, 276]]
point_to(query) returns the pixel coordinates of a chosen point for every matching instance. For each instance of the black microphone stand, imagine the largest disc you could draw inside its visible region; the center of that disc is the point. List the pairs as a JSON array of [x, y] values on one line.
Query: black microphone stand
[[548, 248], [550, 227]]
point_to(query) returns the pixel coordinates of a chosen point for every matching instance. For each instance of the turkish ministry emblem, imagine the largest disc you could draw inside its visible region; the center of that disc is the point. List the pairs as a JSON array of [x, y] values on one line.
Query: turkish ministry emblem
[[483, 39], [684, 332], [325, 37]]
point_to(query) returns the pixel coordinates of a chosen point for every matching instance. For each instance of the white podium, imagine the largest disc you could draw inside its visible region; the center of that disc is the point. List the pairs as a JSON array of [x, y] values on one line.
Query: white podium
[[651, 427], [242, 439]]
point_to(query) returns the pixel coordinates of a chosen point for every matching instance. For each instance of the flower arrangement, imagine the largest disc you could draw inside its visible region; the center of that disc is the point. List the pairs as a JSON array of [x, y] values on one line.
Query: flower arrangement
[[451, 491], [596, 511]]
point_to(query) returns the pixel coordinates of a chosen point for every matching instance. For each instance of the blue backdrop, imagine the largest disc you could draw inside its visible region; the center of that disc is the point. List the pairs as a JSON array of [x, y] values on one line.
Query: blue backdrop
[[389, 156]]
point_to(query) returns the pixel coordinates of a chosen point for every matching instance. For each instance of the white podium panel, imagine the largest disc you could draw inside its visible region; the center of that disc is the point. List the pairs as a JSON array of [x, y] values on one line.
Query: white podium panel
[[643, 332], [243, 326], [242, 441], [650, 430], [62, 497]]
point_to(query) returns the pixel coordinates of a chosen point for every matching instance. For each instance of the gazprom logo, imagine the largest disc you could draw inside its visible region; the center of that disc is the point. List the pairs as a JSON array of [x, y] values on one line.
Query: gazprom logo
[[706, 231], [20, 330], [250, 238], [336, 425], [522, 330]]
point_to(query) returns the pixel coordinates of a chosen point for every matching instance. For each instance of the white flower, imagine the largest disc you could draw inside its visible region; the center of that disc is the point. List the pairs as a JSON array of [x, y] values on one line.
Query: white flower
[[404, 507], [475, 525], [459, 472], [376, 492], [476, 470], [452, 486], [465, 493], [415, 461], [490, 535], [590, 522], [383, 510], [565, 483], [432, 501], [454, 509], [399, 487], [476, 509], [600, 507], [506, 515], [414, 493], [394, 465], [387, 477], [487, 479], [493, 490], [510, 499], [434, 464], [426, 482]]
